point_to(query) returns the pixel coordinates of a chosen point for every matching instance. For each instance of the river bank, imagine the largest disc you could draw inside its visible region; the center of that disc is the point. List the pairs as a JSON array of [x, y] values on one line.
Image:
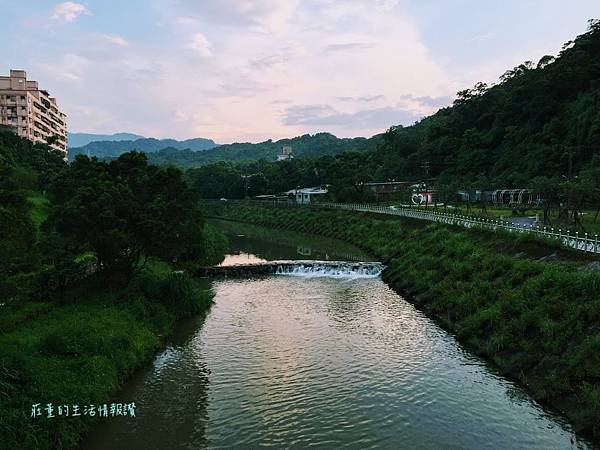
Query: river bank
[[534, 318], [78, 349]]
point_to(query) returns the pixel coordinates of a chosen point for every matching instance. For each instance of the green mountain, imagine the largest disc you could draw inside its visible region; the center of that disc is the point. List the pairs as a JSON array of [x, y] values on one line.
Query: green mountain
[[315, 145], [112, 149], [81, 139], [540, 125], [541, 119]]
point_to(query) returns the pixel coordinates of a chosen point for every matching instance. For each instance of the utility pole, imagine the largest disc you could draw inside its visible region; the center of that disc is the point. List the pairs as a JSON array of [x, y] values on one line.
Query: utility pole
[[569, 186], [245, 177]]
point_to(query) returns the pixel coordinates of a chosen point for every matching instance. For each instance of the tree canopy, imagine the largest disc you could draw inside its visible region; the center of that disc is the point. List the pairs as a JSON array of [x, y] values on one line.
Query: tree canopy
[[125, 211]]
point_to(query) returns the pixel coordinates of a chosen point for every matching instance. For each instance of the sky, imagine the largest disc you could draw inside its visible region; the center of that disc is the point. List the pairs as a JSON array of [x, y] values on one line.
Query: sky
[[252, 70]]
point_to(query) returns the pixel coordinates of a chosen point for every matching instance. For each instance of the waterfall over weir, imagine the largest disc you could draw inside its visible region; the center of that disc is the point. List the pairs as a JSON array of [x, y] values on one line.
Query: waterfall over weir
[[308, 269], [337, 269]]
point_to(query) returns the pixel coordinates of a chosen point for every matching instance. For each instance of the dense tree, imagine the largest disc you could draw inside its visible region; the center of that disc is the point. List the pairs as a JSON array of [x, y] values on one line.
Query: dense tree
[[125, 211], [32, 164], [24, 167], [17, 233]]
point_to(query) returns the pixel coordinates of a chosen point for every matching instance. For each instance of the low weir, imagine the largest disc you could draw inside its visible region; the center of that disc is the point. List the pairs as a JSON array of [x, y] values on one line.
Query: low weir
[[336, 269]]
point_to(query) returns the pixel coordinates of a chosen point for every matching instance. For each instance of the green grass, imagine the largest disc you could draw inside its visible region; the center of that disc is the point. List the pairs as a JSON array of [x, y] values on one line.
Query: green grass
[[79, 348], [537, 321], [158, 268], [591, 226], [74, 354], [39, 210]]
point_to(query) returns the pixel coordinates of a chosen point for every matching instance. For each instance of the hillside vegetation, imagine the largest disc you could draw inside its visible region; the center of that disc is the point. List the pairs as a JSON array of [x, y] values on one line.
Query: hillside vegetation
[[115, 148], [539, 126], [199, 152], [81, 139], [316, 145], [507, 134]]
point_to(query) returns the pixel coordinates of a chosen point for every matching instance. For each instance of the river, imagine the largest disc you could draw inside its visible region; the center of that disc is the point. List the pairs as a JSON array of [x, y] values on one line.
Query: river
[[296, 361]]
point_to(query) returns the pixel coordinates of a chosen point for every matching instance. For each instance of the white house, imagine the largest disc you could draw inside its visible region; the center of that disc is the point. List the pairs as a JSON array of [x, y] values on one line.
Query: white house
[[286, 153], [305, 195]]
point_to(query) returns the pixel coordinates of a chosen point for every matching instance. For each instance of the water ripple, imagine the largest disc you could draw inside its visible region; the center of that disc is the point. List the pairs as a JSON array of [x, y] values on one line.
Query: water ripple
[[289, 362]]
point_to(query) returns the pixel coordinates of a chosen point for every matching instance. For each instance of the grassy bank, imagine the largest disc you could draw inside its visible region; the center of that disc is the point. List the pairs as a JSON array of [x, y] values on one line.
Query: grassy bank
[[77, 347], [537, 320]]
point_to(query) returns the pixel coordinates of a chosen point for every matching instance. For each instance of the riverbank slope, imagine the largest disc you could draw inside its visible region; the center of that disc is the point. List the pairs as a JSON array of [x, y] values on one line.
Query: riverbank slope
[[77, 350]]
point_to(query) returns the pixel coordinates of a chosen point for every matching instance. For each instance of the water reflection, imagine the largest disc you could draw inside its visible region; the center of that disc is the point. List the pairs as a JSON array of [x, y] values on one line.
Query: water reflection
[[292, 362], [249, 244], [241, 259], [312, 363]]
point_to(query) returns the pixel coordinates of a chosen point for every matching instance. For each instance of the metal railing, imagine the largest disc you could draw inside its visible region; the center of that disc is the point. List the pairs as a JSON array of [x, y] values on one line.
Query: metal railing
[[583, 242], [578, 241]]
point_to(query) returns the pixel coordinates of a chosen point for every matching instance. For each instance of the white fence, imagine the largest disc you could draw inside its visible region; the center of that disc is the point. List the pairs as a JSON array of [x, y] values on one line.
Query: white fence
[[579, 241]]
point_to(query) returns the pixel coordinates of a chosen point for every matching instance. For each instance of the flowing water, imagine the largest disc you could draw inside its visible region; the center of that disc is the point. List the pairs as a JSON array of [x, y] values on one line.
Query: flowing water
[[299, 360]]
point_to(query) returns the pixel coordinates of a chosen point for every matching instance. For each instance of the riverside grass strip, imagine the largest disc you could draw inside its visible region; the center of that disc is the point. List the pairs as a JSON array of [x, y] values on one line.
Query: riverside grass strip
[[537, 321], [79, 348]]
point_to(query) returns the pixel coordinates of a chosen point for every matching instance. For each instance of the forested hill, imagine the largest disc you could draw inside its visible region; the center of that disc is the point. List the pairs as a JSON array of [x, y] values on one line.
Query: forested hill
[[199, 152], [81, 139], [537, 128], [530, 124], [315, 145], [112, 149]]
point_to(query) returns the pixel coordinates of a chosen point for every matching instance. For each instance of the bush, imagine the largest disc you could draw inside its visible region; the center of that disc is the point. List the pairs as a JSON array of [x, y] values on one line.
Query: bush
[[181, 295]]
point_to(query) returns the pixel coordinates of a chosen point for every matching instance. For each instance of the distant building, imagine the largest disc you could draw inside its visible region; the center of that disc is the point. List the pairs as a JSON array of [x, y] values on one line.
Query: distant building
[[286, 153], [31, 111], [307, 195], [385, 190], [271, 197]]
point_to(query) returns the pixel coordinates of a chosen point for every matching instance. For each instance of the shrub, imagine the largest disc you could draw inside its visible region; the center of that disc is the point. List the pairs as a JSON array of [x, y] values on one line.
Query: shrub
[[180, 294]]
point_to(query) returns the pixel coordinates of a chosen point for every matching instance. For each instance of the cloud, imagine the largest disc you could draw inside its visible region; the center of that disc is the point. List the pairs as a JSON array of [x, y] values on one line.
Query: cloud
[[325, 115], [268, 61], [116, 40], [385, 6], [70, 68], [150, 73], [430, 102], [308, 114], [269, 16], [247, 89], [365, 98], [480, 38], [281, 56], [347, 47], [68, 11], [257, 59], [201, 45]]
